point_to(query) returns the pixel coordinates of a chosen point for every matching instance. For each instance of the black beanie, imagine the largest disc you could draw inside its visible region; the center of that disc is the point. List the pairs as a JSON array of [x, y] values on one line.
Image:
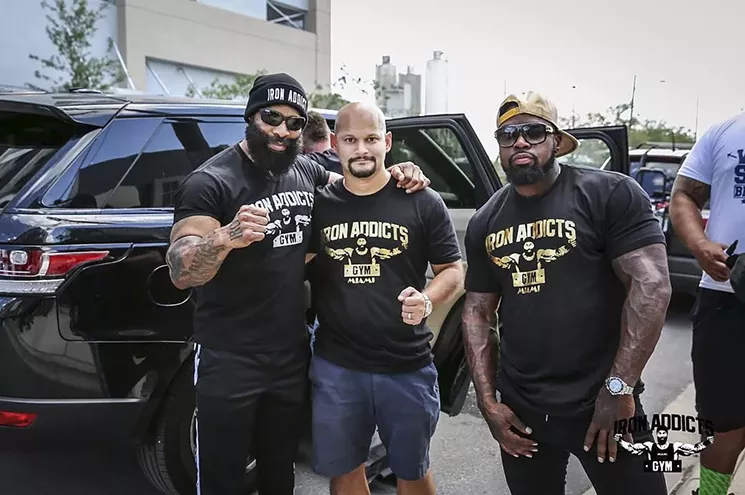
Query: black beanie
[[276, 89]]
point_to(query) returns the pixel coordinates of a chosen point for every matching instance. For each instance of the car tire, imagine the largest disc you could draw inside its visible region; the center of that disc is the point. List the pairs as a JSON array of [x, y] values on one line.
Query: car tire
[[167, 457]]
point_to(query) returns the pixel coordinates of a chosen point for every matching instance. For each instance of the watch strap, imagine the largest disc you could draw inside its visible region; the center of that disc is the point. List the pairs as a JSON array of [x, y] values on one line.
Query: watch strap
[[427, 305]]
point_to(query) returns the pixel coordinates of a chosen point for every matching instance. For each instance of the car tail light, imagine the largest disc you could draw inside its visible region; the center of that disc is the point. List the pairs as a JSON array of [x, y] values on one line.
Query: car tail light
[[35, 271], [17, 419], [36, 263]]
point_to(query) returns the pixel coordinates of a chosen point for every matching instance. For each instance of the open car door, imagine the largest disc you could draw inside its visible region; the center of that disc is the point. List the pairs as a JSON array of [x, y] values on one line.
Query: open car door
[[606, 148], [451, 155]]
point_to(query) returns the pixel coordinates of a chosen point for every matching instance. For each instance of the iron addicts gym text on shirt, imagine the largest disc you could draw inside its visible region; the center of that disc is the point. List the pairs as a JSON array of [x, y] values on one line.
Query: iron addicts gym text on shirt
[[256, 301], [370, 248]]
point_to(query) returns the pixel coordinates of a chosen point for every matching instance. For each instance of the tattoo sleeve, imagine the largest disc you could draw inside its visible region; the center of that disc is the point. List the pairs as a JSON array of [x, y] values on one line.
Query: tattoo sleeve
[[688, 199], [480, 340], [194, 260], [645, 274]]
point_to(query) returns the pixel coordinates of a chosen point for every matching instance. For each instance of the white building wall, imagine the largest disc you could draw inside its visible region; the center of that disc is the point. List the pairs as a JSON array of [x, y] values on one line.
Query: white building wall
[[208, 42], [23, 32]]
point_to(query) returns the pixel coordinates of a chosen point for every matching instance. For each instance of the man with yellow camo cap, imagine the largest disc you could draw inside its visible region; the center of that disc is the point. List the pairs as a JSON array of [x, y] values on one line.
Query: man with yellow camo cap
[[575, 263]]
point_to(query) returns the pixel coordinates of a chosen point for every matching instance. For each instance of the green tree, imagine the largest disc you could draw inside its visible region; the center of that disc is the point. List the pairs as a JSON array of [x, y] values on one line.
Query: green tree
[[640, 131], [71, 28], [239, 90], [236, 90], [329, 100]]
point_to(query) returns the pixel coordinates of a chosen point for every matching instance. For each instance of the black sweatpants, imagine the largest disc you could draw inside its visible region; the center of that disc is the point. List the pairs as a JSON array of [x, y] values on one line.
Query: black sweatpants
[[249, 404], [557, 438]]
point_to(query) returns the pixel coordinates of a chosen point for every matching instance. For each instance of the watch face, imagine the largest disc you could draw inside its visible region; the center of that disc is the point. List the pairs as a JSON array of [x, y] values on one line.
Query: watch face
[[615, 385]]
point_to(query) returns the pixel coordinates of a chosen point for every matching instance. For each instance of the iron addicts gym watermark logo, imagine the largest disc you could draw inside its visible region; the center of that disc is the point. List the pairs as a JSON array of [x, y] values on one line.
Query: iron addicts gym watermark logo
[[662, 455]]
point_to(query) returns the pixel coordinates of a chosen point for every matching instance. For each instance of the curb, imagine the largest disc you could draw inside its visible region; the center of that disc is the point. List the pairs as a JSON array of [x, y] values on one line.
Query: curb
[[682, 404]]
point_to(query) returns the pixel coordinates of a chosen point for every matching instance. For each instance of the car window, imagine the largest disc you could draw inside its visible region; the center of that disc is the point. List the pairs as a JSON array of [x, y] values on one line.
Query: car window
[[91, 184], [440, 154], [176, 149], [591, 152]]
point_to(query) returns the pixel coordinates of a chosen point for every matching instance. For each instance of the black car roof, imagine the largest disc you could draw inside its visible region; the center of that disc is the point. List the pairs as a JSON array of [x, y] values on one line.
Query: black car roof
[[73, 104]]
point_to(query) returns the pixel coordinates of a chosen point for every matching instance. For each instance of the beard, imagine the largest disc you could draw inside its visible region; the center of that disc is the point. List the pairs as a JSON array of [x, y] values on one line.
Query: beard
[[526, 175], [365, 171], [269, 162]]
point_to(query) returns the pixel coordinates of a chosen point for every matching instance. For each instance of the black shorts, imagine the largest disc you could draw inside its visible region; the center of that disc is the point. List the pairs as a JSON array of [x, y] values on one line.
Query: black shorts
[[718, 345]]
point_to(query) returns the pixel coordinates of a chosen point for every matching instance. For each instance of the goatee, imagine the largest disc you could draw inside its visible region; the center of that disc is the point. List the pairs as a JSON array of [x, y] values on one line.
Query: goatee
[[270, 163], [363, 172], [527, 175]]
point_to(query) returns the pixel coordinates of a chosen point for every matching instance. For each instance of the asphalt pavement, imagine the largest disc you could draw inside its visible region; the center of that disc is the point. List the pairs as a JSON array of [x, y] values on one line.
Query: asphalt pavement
[[465, 459]]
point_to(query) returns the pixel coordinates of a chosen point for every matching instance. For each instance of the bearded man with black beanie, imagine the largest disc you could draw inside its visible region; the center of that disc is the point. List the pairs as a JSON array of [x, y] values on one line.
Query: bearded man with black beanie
[[239, 239]]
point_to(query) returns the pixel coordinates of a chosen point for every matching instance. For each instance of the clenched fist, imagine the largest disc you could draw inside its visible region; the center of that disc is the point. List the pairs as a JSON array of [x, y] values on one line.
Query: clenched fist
[[248, 226], [412, 307]]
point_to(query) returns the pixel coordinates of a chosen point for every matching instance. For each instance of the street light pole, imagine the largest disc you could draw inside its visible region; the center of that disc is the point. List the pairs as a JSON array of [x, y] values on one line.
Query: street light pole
[[633, 95]]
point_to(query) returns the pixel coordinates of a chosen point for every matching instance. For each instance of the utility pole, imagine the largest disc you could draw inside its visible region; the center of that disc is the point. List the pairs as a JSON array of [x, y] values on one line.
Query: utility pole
[[633, 95], [695, 132]]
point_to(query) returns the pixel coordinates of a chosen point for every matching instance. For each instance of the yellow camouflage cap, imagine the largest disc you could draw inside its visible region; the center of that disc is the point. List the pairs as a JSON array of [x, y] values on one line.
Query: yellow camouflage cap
[[538, 106]]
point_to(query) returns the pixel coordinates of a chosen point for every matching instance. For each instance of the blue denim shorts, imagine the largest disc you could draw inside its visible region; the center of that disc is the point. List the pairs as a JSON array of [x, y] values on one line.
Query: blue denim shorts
[[348, 405]]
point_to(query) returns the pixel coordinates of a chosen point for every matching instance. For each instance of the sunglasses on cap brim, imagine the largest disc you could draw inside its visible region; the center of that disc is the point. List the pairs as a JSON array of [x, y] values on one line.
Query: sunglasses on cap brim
[[274, 119], [534, 133]]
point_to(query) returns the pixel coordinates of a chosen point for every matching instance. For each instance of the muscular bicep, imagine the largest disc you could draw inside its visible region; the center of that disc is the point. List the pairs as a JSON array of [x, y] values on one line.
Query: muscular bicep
[[197, 225], [647, 265], [695, 190]]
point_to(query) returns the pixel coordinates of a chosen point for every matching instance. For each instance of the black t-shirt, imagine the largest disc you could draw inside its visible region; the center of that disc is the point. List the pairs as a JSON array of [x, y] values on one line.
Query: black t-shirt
[[256, 301], [328, 158], [370, 248], [550, 259]]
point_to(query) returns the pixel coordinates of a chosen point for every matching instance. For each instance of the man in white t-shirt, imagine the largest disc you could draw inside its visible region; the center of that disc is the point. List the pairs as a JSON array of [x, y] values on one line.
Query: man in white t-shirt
[[715, 171]]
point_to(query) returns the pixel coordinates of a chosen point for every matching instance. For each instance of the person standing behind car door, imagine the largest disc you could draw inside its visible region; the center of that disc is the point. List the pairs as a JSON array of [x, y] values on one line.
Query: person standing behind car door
[[240, 236], [715, 170], [373, 362]]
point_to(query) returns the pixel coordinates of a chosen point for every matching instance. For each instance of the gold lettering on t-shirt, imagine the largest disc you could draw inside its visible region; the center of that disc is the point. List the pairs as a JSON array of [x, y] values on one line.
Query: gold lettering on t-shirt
[[528, 259], [353, 243]]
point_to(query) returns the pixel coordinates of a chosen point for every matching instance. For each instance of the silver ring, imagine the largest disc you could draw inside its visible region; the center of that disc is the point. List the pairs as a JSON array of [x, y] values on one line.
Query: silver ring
[[409, 316]]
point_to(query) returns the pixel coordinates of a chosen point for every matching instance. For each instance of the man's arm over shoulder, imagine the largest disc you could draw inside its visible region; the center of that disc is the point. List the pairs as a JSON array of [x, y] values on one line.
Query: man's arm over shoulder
[[443, 251], [636, 246], [198, 242]]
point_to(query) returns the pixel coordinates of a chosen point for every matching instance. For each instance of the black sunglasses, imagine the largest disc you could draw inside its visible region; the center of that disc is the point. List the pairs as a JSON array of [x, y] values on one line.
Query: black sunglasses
[[533, 133], [274, 119]]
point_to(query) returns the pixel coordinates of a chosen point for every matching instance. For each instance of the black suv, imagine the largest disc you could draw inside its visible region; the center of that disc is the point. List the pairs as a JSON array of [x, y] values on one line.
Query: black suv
[[94, 338]]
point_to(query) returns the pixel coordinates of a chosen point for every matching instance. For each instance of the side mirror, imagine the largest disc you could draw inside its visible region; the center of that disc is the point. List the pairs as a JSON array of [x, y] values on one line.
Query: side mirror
[[654, 181]]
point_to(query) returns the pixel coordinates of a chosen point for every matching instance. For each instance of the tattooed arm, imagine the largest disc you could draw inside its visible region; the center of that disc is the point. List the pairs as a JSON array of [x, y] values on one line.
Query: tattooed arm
[[688, 199], [199, 245], [480, 341], [644, 273]]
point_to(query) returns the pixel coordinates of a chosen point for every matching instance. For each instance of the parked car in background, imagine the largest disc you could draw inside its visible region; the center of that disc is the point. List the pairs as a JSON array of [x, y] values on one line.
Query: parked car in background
[[655, 168]]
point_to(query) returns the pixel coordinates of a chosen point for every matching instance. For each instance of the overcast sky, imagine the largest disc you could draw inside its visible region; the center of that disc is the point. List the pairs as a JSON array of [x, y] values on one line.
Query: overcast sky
[[551, 46]]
